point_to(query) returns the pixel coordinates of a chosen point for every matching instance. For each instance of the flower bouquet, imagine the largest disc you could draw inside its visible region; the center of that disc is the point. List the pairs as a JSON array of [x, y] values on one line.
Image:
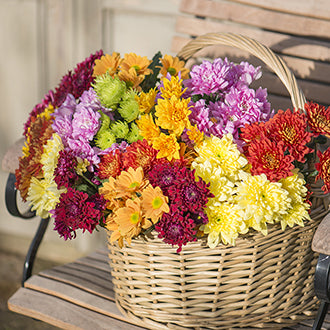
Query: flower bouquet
[[206, 191]]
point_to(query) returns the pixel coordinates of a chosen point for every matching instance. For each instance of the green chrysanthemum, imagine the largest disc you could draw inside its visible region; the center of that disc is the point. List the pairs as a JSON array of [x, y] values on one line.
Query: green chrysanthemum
[[109, 90], [134, 134], [129, 107], [120, 129], [105, 140]]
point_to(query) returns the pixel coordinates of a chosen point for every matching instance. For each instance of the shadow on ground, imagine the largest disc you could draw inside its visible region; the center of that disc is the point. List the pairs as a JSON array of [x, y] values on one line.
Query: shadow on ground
[[11, 266]]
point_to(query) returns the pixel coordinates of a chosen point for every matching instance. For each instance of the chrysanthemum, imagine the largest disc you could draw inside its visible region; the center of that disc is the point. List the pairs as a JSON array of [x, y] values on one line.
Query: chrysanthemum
[[167, 146], [195, 136], [139, 154], [189, 193], [43, 196], [138, 63], [148, 129], [119, 129], [50, 155], [291, 128], [171, 86], [254, 132], [222, 154], [318, 118], [129, 107], [65, 173], [323, 168], [146, 101], [154, 203], [131, 78], [105, 139], [173, 114], [269, 158], [173, 66], [110, 165], [226, 222], [295, 215], [107, 63], [176, 228], [76, 210], [263, 201], [130, 181]]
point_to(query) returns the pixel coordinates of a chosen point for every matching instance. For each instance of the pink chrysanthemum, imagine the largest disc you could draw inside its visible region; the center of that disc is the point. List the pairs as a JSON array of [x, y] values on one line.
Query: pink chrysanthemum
[[75, 211], [176, 228], [65, 174]]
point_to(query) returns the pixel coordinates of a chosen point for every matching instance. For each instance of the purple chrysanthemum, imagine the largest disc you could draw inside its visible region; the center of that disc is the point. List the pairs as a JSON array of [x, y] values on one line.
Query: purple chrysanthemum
[[75, 211]]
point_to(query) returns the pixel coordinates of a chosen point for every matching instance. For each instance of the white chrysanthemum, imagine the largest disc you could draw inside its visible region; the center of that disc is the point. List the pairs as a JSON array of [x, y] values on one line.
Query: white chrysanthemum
[[50, 155], [263, 201], [222, 154]]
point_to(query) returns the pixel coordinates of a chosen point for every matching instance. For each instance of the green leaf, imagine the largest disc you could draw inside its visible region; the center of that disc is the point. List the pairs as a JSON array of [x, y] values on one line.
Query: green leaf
[[151, 80]]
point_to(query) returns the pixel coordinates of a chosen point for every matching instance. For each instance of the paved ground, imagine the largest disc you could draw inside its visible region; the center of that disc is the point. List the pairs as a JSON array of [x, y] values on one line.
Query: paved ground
[[10, 280]]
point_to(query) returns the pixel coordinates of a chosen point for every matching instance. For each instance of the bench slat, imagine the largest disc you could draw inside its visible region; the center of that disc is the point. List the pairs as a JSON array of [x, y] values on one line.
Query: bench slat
[[62, 313], [268, 19]]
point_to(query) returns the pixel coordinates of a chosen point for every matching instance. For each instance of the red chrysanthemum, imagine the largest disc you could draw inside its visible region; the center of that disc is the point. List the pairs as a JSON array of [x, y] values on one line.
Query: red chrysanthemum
[[323, 168], [110, 165], [139, 154], [254, 132], [65, 174], [318, 119], [75, 210], [187, 193], [291, 128], [269, 158], [176, 228]]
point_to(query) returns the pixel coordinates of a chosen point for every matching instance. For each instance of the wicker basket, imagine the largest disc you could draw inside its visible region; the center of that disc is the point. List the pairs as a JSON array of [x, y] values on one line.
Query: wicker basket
[[262, 282]]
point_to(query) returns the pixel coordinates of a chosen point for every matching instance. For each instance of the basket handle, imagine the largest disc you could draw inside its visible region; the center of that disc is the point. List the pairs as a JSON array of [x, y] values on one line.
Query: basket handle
[[254, 47]]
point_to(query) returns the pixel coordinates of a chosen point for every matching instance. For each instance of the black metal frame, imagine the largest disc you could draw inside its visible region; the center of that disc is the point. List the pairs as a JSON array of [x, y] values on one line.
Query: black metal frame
[[12, 207], [322, 289]]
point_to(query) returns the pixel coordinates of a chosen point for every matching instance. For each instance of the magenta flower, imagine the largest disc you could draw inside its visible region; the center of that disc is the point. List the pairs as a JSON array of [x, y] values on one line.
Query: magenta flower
[[65, 174], [76, 211]]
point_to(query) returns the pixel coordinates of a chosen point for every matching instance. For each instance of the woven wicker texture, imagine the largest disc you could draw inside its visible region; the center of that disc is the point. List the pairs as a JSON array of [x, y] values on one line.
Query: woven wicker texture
[[262, 282]]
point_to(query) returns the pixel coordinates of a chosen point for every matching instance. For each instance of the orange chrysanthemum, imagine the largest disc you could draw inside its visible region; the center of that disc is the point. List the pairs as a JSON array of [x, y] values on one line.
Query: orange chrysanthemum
[[110, 165], [318, 119], [154, 203], [130, 181], [291, 128], [254, 132], [269, 158], [107, 63], [173, 66], [131, 78], [138, 63], [323, 167]]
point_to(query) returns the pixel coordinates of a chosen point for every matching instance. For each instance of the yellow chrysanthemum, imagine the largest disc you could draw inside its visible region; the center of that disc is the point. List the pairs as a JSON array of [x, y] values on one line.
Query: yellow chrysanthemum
[[50, 155], [148, 129], [295, 215], [173, 114], [146, 101], [263, 201], [43, 195], [82, 166], [167, 146], [195, 135], [173, 66], [172, 87], [220, 186], [222, 154], [138, 63], [107, 63], [296, 186], [226, 222], [154, 203]]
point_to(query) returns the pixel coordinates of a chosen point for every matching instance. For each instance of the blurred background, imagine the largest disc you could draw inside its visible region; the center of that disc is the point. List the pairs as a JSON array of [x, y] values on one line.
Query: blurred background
[[40, 41]]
